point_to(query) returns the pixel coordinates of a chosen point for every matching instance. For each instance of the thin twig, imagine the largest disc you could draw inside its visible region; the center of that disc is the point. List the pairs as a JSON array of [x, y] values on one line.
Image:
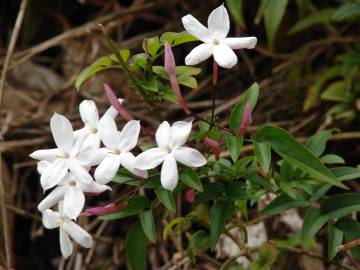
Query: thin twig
[[10, 50]]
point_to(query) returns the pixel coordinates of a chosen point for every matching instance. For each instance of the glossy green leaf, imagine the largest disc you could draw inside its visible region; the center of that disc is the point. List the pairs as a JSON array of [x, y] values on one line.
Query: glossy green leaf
[[263, 155], [136, 247], [153, 45], [266, 257], [351, 230], [332, 159], [282, 203], [191, 179], [335, 237], [337, 91], [340, 205], [297, 154], [317, 142], [313, 221], [148, 224], [199, 243], [218, 215], [237, 191], [177, 225], [349, 10], [273, 14], [250, 96], [236, 10], [346, 173], [211, 191], [166, 197], [135, 205], [234, 144], [321, 16], [187, 81], [175, 39]]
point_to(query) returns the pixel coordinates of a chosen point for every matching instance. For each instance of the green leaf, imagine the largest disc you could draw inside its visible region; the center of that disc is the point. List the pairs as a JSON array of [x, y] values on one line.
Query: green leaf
[[136, 205], [322, 16], [187, 71], [148, 224], [346, 173], [175, 39], [136, 248], [340, 205], [317, 142], [337, 91], [234, 144], [250, 96], [177, 225], [211, 191], [351, 230], [102, 63], [335, 239], [255, 178], [166, 197], [188, 81], [263, 155], [273, 14], [237, 191], [347, 11], [191, 179], [200, 214], [282, 203], [218, 215], [199, 243], [151, 85], [153, 45], [332, 159], [313, 221], [125, 54], [266, 257], [236, 10], [294, 152]]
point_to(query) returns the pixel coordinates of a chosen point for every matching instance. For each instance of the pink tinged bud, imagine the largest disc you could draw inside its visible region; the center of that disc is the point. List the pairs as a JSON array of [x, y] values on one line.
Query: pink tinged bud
[[116, 104], [247, 119], [190, 195], [104, 210], [215, 73], [170, 68], [214, 145]]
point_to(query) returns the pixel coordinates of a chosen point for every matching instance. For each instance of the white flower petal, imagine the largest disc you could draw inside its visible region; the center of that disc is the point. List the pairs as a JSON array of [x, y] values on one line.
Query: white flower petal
[[79, 172], [224, 56], [92, 157], [169, 173], [150, 159], [78, 234], [108, 132], [54, 173], [93, 187], [129, 135], [107, 169], [48, 154], [53, 198], [62, 132], [127, 161], [219, 22], [112, 112], [42, 166], [189, 157], [89, 113], [240, 43], [74, 201], [163, 135], [199, 54], [92, 141], [51, 219], [195, 28], [179, 133], [66, 246]]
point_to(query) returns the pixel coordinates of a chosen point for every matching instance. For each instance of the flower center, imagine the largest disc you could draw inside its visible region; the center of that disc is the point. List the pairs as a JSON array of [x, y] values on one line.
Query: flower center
[[216, 41], [93, 130], [64, 155], [116, 152], [61, 221], [166, 149], [72, 183]]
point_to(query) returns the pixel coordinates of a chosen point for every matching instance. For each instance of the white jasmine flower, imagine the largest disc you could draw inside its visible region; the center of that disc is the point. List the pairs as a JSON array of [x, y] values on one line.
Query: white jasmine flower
[[170, 141], [214, 38], [52, 220], [71, 191], [67, 156], [90, 116], [118, 146]]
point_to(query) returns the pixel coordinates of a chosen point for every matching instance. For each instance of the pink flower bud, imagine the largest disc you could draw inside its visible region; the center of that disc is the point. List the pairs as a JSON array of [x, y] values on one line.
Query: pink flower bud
[[214, 145], [116, 104], [247, 119], [215, 73], [104, 210], [190, 195]]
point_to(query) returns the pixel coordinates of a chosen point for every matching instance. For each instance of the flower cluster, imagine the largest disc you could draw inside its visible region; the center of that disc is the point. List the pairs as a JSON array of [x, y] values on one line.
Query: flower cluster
[[66, 169]]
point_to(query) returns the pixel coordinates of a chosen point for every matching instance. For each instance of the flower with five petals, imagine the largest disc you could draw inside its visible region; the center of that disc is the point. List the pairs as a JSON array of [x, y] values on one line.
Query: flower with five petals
[[214, 38], [118, 147], [52, 220], [170, 141]]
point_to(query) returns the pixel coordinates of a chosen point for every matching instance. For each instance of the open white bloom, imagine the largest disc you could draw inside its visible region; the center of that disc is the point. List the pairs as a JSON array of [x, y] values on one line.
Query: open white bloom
[[90, 116], [170, 141], [52, 220], [118, 147], [67, 156], [214, 38], [71, 191]]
